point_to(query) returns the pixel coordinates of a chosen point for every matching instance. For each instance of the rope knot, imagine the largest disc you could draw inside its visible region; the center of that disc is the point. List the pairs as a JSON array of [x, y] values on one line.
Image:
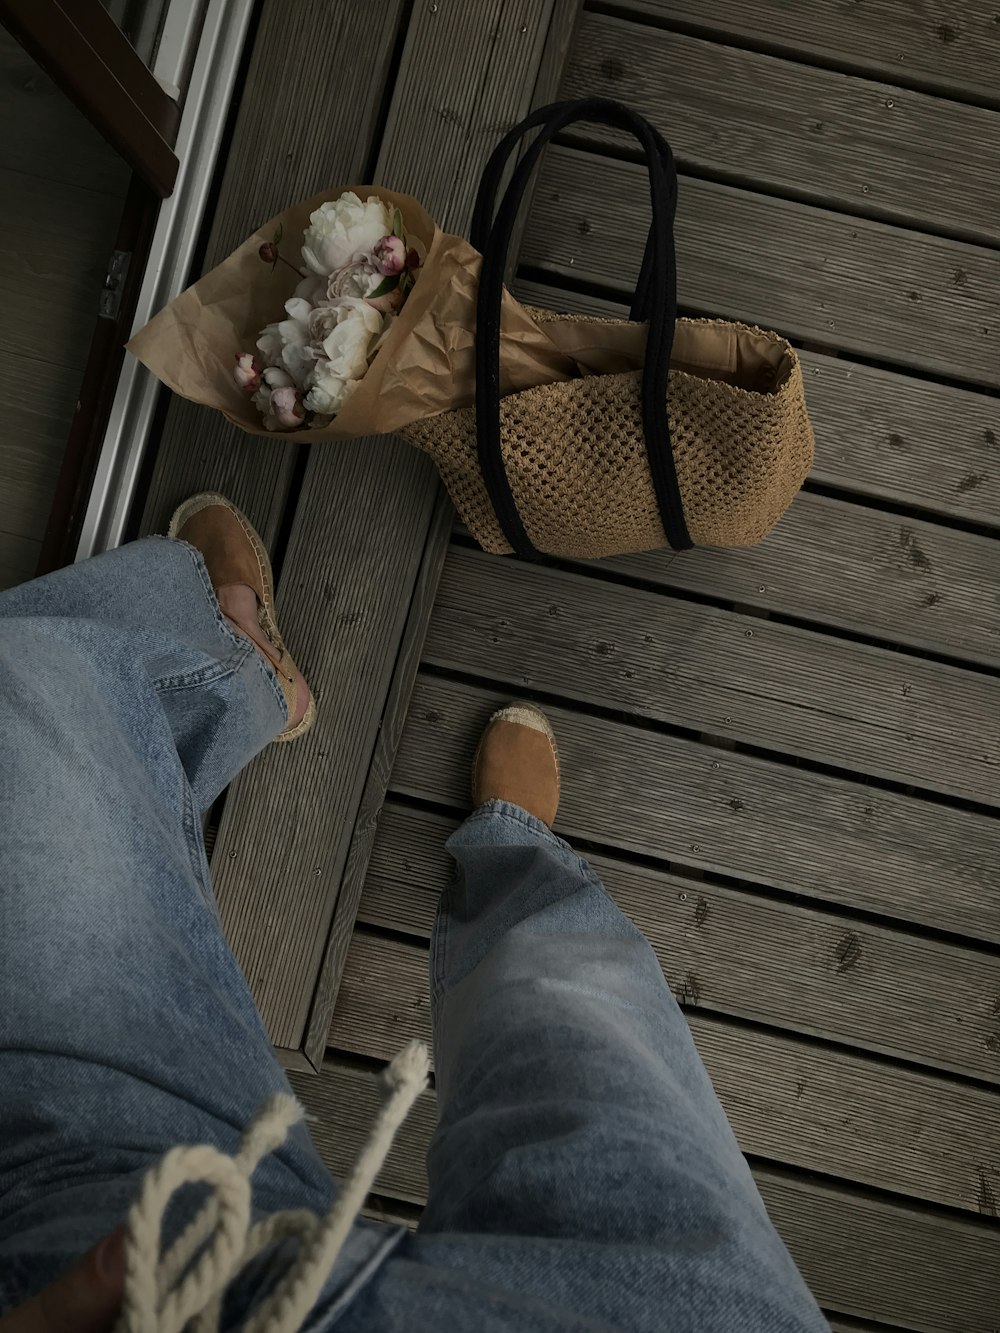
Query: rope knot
[[187, 1284]]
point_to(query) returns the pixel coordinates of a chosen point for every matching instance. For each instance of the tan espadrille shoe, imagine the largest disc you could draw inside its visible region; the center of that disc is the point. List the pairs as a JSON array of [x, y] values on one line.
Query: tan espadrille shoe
[[234, 555], [517, 761]]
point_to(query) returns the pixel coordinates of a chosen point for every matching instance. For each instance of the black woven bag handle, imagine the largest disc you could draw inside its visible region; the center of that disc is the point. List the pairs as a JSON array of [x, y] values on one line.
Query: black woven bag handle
[[655, 301]]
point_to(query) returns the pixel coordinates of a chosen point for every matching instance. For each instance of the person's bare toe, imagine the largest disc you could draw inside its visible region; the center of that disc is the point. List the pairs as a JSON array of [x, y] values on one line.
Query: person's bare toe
[[240, 607]]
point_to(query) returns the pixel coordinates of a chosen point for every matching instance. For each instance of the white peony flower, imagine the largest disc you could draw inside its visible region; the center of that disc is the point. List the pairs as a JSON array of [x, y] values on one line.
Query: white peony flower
[[323, 320], [287, 411], [342, 230], [327, 392], [357, 279], [287, 343], [311, 289], [350, 344], [298, 359], [276, 378], [270, 343]]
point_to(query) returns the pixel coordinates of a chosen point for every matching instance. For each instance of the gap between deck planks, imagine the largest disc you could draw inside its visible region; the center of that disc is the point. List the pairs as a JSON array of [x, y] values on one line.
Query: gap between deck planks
[[821, 136], [775, 687], [733, 951], [809, 1106], [433, 147], [897, 438], [935, 44], [279, 153], [862, 1255], [653, 794], [898, 296]]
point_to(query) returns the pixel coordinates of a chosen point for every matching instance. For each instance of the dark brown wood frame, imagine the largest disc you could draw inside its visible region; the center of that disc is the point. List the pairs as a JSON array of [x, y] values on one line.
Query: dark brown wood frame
[[90, 60], [100, 378]]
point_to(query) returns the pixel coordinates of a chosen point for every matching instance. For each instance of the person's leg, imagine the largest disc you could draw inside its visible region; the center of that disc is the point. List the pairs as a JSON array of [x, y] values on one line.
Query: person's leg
[[127, 703], [582, 1157]]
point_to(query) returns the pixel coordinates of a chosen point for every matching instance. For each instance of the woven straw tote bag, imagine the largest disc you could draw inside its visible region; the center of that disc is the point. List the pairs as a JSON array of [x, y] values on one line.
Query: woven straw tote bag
[[705, 444]]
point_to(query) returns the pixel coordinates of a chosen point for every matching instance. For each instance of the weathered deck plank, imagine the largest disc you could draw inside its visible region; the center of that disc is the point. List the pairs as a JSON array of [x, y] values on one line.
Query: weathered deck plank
[[848, 567], [730, 951], [898, 438], [922, 43], [289, 84], [863, 1256], [807, 1106], [776, 687], [897, 296], [344, 602], [893, 578], [359, 537], [653, 794], [372, 797], [867, 147]]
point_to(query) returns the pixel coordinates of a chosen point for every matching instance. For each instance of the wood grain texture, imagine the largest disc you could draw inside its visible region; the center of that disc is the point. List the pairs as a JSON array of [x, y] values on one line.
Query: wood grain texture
[[18, 558], [707, 808], [442, 128], [39, 400], [893, 578], [289, 817], [894, 437], [297, 131], [791, 691], [932, 44], [803, 1105], [57, 240], [728, 951], [818, 135], [377, 781], [46, 135], [200, 450], [894, 295], [867, 1257]]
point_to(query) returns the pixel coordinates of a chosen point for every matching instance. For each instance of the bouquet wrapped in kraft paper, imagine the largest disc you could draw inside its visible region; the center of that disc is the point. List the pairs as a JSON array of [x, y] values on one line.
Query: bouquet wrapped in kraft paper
[[565, 435]]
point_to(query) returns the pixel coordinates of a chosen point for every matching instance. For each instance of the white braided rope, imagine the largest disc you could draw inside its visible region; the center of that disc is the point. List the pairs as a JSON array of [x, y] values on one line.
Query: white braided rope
[[165, 1295]]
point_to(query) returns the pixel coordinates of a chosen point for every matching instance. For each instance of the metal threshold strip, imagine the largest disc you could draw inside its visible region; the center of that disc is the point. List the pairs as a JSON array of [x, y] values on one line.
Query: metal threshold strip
[[209, 92]]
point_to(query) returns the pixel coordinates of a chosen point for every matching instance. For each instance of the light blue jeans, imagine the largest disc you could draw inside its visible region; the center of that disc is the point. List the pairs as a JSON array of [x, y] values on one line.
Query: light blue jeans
[[583, 1175]]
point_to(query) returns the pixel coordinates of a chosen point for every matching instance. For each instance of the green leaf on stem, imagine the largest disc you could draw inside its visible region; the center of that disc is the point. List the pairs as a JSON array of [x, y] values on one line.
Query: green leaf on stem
[[385, 286]]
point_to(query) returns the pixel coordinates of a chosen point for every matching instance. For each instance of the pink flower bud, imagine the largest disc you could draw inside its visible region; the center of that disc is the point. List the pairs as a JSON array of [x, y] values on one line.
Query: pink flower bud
[[412, 259], [248, 371], [390, 255], [269, 252], [286, 407]]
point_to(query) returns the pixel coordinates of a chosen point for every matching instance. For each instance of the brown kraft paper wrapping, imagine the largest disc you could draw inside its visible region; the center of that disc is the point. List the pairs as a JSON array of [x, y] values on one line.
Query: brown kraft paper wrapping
[[425, 366]]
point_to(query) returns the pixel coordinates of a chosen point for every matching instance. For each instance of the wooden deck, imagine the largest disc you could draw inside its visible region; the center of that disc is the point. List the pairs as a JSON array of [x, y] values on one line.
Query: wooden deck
[[784, 762]]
